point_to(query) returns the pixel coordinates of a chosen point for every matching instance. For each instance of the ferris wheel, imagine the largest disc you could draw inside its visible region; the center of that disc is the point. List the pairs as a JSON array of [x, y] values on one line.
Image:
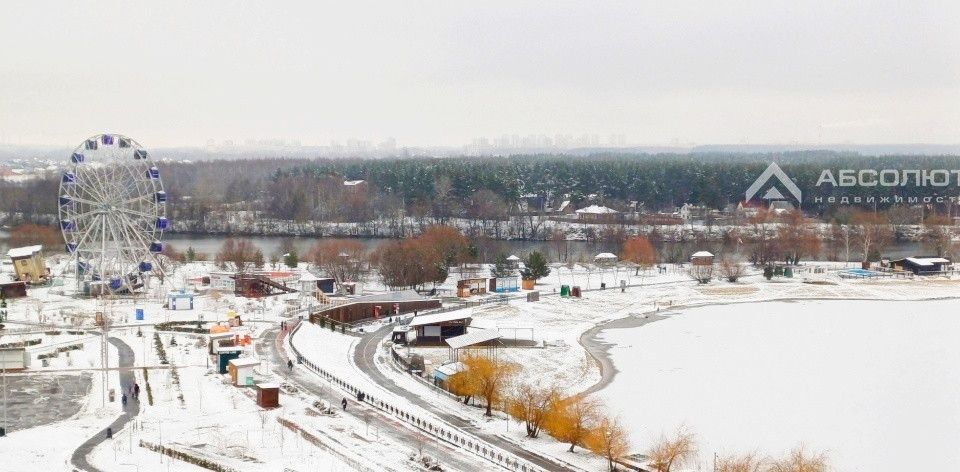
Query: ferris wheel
[[112, 214]]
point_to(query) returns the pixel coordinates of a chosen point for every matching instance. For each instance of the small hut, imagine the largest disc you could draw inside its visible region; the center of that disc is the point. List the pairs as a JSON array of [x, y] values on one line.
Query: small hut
[[605, 258], [180, 300], [16, 289], [442, 374], [225, 355], [505, 284], [268, 395], [28, 263], [469, 287], [701, 258], [241, 370]]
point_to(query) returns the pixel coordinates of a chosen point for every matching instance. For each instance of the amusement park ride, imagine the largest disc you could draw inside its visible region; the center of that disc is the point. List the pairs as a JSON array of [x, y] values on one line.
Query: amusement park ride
[[112, 211]]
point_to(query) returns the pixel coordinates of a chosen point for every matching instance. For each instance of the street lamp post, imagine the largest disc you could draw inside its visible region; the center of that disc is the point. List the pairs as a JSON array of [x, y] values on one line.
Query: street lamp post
[[3, 368]]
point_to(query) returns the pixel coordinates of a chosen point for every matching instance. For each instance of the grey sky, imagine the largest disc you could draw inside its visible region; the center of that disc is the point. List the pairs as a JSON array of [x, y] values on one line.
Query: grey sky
[[442, 73]]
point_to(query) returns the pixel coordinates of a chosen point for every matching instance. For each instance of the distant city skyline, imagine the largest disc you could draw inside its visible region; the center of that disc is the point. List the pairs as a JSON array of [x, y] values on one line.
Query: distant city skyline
[[439, 74]]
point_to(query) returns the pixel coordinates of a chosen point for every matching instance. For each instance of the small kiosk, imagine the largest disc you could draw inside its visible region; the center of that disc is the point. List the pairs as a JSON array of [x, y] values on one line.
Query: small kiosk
[[268, 395], [241, 370]]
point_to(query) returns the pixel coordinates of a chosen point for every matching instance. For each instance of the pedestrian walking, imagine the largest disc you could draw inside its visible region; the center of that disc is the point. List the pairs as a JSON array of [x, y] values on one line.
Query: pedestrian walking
[[136, 390], [289, 365], [123, 399], [343, 403]]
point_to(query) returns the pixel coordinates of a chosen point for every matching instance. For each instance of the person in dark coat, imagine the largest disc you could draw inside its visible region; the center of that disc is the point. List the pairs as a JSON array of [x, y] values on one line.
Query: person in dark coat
[[123, 399], [343, 403], [290, 365], [136, 390]]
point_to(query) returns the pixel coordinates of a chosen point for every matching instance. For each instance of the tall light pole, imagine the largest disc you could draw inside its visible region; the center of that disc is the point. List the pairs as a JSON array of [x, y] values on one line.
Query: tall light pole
[[3, 368]]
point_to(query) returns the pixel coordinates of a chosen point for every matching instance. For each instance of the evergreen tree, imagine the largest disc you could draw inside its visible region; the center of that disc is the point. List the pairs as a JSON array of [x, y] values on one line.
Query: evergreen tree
[[291, 259], [536, 266], [502, 267]]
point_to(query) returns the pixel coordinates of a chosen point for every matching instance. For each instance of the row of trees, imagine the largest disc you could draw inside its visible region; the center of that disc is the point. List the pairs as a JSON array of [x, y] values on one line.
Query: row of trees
[[582, 421], [484, 190], [576, 420], [410, 262]]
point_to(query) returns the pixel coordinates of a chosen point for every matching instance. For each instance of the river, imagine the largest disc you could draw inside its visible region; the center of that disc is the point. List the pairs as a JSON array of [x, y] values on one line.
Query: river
[[575, 250]]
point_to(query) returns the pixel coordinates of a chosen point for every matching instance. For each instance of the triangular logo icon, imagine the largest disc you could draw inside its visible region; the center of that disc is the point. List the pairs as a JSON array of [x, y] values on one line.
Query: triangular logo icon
[[773, 194], [773, 170]]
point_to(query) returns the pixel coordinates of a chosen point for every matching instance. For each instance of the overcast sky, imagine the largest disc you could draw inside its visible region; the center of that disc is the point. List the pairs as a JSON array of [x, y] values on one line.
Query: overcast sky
[[442, 73]]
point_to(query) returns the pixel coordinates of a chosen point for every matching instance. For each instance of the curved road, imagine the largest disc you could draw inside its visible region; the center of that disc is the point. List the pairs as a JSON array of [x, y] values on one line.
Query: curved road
[[450, 458], [79, 458], [364, 355]]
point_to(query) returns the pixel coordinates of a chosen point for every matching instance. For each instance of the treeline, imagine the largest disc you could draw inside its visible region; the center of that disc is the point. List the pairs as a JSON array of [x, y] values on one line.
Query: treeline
[[584, 421], [485, 188]]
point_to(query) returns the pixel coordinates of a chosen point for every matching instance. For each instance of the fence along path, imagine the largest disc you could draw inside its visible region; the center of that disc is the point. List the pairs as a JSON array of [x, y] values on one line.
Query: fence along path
[[441, 431]]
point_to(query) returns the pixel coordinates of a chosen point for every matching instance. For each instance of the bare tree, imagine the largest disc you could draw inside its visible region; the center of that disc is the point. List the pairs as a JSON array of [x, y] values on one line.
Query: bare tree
[[532, 405], [799, 460], [343, 259], [670, 452], [745, 463], [608, 438], [239, 254], [731, 270], [938, 234], [572, 419], [871, 231], [702, 273]]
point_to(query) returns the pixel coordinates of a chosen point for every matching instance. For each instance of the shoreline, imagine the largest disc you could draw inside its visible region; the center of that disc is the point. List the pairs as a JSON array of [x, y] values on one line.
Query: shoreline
[[599, 351]]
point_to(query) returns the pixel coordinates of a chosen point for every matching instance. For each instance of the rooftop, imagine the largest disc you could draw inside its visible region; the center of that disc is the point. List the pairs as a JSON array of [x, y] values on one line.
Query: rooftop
[[597, 210], [927, 261], [400, 296], [25, 251], [475, 336], [245, 362], [434, 318], [450, 369]]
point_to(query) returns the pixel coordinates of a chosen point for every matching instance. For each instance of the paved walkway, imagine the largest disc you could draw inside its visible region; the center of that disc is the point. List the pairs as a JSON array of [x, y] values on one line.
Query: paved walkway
[[450, 458], [364, 355], [79, 459]]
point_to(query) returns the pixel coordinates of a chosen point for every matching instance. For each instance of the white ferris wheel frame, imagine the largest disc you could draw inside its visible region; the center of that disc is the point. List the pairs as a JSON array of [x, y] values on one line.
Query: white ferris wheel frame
[[111, 213]]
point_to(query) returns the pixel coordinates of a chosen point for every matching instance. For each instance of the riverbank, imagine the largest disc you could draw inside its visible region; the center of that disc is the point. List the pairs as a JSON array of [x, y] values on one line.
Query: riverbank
[[600, 351]]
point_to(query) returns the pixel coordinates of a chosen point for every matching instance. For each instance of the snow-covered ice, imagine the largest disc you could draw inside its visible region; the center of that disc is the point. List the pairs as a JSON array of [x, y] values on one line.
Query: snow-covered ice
[[873, 383]]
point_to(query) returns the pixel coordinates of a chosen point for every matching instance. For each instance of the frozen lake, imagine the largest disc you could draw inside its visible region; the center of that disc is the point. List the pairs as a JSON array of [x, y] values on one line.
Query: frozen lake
[[876, 384]]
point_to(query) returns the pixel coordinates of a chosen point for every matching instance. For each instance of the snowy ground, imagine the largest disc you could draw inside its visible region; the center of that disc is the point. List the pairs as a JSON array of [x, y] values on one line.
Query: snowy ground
[[220, 421], [561, 322], [871, 382]]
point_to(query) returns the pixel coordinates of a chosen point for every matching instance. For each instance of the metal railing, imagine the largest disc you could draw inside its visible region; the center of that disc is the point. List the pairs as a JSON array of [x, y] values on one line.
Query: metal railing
[[441, 431]]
